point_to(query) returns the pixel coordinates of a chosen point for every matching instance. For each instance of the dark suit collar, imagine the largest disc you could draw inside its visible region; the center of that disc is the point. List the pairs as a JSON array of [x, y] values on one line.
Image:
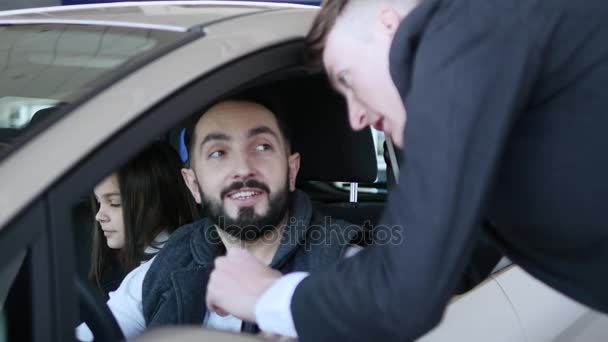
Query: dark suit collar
[[405, 44]]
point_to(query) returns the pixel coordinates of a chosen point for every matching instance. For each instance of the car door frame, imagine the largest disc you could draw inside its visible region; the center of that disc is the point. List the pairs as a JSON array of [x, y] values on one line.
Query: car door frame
[[30, 232]]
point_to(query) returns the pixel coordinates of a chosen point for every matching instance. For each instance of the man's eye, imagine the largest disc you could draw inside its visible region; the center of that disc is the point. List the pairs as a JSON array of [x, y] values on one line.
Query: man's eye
[[263, 147], [115, 205], [216, 154]]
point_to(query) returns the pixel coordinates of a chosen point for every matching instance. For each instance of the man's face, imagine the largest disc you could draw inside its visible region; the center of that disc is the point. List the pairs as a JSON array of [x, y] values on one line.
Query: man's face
[[242, 173], [359, 69]]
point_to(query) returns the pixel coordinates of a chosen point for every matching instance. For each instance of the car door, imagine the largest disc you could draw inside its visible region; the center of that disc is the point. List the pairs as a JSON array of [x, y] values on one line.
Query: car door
[[96, 137], [66, 194], [482, 314], [69, 62], [27, 277], [547, 315]]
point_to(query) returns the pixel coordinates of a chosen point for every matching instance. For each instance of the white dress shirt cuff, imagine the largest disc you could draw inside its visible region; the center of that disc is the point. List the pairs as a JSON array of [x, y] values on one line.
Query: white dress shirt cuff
[[273, 309], [83, 333]]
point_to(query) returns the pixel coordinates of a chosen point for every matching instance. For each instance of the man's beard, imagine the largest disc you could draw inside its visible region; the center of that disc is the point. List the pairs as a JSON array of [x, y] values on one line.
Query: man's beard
[[248, 226]]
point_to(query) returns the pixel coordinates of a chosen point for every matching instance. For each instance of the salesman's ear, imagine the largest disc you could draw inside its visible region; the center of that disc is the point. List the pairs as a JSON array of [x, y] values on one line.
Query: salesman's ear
[[390, 19]]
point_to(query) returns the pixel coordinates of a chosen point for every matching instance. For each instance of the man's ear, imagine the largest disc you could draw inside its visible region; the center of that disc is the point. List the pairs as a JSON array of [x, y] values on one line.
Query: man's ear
[[389, 19], [294, 167], [192, 184]]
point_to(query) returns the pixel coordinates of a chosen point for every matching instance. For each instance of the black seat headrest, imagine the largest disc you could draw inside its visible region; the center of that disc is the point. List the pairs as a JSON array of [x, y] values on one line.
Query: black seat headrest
[[330, 150], [320, 131]]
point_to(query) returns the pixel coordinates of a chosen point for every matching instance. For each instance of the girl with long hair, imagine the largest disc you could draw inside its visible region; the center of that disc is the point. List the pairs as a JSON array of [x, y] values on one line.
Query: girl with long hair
[[137, 208]]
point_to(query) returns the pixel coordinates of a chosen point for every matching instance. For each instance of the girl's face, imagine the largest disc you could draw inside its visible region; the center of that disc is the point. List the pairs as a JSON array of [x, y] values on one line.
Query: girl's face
[[109, 216]]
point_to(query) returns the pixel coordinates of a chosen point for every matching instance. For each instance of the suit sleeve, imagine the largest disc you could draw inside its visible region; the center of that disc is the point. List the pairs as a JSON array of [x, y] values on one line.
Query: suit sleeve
[[472, 72]]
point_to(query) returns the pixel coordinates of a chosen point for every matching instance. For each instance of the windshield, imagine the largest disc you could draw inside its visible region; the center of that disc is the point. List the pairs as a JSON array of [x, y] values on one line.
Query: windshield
[[48, 66]]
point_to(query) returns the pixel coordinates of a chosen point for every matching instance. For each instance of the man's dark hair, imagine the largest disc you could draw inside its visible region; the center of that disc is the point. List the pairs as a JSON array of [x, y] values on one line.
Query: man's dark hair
[[272, 106]]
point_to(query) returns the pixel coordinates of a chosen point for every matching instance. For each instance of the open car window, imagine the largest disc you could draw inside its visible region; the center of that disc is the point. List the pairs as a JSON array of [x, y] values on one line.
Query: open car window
[[51, 65]]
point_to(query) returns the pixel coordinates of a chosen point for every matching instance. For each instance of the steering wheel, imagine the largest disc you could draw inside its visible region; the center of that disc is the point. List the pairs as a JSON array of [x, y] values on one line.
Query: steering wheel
[[96, 314]]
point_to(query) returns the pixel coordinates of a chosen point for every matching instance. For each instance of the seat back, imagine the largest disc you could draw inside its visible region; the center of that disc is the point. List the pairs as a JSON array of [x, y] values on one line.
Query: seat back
[[365, 215]]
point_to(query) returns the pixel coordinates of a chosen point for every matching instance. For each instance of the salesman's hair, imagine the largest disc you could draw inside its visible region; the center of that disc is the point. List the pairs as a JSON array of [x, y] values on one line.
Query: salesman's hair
[[328, 15]]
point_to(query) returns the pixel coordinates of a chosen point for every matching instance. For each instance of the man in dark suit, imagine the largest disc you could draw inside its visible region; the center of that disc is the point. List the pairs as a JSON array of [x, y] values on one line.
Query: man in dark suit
[[507, 118]]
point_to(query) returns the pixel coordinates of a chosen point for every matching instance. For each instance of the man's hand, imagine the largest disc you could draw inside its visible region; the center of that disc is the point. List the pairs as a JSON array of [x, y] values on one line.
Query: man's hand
[[236, 284]]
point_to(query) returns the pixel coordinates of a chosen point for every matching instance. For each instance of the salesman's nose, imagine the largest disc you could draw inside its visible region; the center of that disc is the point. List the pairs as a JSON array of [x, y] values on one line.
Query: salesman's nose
[[357, 115]]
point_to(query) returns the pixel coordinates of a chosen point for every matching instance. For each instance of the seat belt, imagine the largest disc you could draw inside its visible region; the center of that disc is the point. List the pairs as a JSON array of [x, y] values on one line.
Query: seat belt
[[393, 158]]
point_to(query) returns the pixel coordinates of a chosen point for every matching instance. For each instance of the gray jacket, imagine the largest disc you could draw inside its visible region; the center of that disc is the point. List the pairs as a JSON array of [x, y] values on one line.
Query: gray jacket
[[174, 287]]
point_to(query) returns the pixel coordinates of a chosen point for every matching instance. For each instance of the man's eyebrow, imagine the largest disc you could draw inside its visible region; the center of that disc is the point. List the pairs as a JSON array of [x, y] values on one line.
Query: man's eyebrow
[[215, 136], [262, 130]]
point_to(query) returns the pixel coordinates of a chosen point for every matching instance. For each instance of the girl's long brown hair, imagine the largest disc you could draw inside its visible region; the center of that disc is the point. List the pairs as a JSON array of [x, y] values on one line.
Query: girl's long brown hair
[[154, 198]]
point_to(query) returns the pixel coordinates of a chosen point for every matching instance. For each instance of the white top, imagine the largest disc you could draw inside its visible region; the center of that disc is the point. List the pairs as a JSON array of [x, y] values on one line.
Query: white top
[[127, 306], [126, 303], [159, 242]]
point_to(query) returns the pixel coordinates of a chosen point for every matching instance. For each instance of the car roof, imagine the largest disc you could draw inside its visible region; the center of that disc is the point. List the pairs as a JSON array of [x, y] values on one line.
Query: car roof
[[164, 15]]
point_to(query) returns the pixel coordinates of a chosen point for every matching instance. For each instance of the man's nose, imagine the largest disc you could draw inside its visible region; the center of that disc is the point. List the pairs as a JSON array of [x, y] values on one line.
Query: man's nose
[[243, 168], [357, 115]]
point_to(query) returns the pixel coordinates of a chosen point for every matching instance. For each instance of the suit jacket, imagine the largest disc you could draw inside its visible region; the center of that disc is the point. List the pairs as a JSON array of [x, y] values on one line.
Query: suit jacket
[[507, 125]]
